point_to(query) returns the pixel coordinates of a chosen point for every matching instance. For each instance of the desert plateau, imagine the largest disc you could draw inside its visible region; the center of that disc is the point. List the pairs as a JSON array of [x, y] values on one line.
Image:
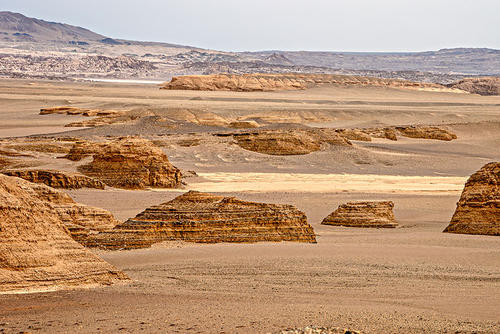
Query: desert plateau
[[157, 188]]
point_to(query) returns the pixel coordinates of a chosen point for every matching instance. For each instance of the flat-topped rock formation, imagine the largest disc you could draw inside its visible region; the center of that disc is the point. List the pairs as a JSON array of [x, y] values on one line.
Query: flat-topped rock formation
[[78, 111], [206, 218], [271, 82], [36, 252], [363, 214], [481, 86], [478, 210], [130, 163], [289, 142], [57, 179], [426, 132]]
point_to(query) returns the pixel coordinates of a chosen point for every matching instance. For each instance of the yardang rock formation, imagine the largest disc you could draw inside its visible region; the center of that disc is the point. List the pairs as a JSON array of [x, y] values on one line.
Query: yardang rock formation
[[36, 252], [259, 82], [206, 218], [363, 214], [478, 210], [57, 179], [130, 163]]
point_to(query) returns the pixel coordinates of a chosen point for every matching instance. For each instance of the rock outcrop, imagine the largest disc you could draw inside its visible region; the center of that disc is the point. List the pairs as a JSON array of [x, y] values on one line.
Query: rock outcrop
[[57, 179], [78, 111], [206, 218], [478, 210], [363, 214], [481, 86], [426, 132], [289, 142], [259, 82], [36, 252], [130, 163], [80, 220]]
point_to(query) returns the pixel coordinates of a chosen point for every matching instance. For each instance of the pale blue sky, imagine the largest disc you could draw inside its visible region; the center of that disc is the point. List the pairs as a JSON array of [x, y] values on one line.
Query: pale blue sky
[[335, 25]]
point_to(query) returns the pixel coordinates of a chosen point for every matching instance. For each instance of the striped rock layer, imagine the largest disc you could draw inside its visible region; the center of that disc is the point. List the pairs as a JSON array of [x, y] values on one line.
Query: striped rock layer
[[130, 163], [478, 210], [57, 179], [36, 251], [206, 218], [363, 214]]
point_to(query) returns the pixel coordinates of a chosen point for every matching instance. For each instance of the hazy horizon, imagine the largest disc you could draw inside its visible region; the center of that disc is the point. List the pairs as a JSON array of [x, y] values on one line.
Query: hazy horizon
[[344, 26]]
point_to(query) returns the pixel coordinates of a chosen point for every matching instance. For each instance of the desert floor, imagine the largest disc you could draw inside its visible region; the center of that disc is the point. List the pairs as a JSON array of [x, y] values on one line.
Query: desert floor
[[411, 279]]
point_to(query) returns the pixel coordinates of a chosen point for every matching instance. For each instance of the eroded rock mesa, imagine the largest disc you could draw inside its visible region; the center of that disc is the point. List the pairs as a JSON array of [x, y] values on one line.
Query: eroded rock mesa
[[206, 218], [289, 142], [259, 82], [478, 210], [363, 214], [57, 179], [36, 252], [130, 163]]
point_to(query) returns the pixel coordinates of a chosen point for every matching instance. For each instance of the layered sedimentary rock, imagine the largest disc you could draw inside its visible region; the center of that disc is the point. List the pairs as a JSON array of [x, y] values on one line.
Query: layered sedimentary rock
[[426, 132], [293, 81], [36, 252], [206, 218], [130, 163], [363, 214], [478, 210], [289, 142], [80, 220], [481, 86], [57, 179]]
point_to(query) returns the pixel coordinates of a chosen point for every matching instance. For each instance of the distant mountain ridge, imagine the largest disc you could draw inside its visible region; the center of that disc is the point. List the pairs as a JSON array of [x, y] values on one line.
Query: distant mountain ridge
[[40, 30], [37, 48]]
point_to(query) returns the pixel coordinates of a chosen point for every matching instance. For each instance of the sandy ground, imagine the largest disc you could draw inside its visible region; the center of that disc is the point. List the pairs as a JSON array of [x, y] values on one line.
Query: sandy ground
[[413, 279]]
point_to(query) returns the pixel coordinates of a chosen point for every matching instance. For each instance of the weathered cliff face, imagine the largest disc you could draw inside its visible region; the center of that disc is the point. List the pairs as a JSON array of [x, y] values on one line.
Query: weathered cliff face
[[272, 82], [130, 163], [363, 214], [288, 142], [36, 252], [80, 220], [478, 210], [481, 86], [206, 218], [57, 179]]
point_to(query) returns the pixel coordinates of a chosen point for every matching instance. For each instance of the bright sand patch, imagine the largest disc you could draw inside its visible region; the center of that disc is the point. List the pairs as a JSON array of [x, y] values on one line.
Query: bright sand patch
[[329, 183]]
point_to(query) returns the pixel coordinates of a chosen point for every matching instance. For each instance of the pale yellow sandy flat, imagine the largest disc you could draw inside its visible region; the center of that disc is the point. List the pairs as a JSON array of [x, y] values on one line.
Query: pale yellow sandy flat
[[326, 183]]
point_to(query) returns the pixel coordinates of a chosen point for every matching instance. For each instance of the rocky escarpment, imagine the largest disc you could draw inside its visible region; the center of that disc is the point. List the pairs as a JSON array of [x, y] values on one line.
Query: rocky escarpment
[[130, 163], [289, 142], [206, 218], [426, 132], [481, 86], [80, 220], [36, 252], [294, 81], [363, 214], [478, 210], [57, 179]]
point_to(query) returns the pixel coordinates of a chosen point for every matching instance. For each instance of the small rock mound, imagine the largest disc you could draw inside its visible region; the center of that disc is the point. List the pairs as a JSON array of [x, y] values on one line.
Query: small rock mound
[[288, 142], [478, 210], [481, 86], [57, 179], [363, 214], [130, 163], [426, 132], [36, 252], [206, 218]]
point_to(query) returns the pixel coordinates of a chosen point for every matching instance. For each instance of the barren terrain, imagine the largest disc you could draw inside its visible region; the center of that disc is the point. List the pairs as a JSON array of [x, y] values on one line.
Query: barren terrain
[[409, 279]]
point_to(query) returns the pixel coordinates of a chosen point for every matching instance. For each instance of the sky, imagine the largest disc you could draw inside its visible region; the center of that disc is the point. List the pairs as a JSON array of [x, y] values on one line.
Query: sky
[[251, 25]]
